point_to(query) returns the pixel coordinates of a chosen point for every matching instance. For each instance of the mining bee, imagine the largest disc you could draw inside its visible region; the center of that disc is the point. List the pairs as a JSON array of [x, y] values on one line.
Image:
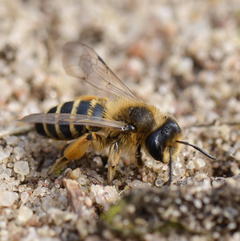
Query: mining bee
[[123, 123]]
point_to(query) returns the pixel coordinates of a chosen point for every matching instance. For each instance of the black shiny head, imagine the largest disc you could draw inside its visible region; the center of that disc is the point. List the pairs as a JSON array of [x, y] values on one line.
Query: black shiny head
[[162, 144], [162, 138]]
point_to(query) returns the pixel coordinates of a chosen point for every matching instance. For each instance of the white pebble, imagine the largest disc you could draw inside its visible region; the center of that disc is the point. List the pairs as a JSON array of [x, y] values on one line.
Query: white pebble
[[5, 153], [12, 140], [19, 151], [7, 198], [183, 208], [25, 214], [135, 184], [100, 199], [59, 217], [237, 155], [88, 202], [48, 203], [197, 203], [5, 89], [190, 165], [165, 167], [159, 182], [8, 171], [82, 180], [4, 176], [98, 161], [2, 168], [21, 167], [232, 226], [75, 174], [97, 189], [10, 165], [110, 194], [208, 225], [200, 163], [216, 235], [24, 197]]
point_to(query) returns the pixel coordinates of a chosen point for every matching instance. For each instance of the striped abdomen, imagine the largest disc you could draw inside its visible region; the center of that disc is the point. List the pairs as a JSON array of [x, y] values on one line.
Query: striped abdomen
[[94, 107]]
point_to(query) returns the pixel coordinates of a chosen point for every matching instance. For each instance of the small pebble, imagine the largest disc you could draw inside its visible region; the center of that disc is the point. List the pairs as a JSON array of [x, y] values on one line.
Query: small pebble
[[6, 152], [100, 199], [24, 197], [21, 167], [190, 165], [12, 140], [48, 203], [59, 217], [7, 198], [98, 161], [88, 202], [159, 182], [183, 208], [19, 151], [24, 214], [75, 174], [197, 203]]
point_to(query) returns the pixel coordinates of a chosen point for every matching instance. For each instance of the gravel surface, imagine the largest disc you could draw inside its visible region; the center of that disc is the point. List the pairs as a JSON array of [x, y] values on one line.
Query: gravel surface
[[181, 56]]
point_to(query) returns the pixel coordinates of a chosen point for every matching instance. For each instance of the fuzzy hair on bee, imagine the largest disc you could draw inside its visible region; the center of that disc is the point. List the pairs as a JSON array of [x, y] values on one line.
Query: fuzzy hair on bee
[[123, 123]]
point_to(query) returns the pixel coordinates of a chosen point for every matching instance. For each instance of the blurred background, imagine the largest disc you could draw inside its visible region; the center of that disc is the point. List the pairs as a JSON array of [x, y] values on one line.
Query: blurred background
[[181, 56]]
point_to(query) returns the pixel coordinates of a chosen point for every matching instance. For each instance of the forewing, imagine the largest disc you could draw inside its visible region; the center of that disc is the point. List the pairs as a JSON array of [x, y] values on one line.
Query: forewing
[[82, 62], [67, 119]]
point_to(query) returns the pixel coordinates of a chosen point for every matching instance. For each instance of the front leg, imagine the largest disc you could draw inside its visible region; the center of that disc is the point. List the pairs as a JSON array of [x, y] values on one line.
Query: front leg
[[113, 159]]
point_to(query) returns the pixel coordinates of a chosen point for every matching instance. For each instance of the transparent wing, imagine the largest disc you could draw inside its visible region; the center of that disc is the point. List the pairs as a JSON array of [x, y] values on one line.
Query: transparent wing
[[82, 62], [67, 119]]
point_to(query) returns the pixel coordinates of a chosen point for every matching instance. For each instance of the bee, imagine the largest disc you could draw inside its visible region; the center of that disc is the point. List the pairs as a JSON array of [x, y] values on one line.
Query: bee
[[123, 123]]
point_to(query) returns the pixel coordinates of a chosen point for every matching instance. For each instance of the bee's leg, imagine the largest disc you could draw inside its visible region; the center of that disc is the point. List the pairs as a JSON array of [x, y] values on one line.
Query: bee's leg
[[113, 159], [138, 157], [61, 162], [77, 149]]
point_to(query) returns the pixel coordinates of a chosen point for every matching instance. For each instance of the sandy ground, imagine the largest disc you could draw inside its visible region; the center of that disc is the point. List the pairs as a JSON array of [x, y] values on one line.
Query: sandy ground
[[181, 56]]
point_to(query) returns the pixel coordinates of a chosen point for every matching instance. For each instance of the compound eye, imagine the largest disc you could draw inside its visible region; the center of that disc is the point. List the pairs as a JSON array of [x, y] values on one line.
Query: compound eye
[[155, 145], [159, 139]]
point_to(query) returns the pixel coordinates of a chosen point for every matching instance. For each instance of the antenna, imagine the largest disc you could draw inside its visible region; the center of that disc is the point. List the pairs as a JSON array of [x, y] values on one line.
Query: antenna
[[197, 148]]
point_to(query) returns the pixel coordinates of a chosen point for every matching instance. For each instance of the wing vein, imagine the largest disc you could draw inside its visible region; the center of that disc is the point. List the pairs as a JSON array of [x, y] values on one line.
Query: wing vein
[[82, 62]]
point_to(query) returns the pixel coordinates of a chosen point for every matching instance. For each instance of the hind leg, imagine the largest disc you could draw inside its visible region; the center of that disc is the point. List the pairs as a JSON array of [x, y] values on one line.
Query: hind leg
[[77, 149]]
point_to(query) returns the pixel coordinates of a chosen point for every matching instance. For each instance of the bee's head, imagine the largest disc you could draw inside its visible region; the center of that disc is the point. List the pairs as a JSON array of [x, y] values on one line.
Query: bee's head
[[163, 143], [159, 142]]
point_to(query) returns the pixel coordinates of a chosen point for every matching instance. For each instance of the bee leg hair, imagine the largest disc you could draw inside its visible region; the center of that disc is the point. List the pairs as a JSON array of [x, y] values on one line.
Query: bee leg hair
[[76, 150], [113, 159]]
